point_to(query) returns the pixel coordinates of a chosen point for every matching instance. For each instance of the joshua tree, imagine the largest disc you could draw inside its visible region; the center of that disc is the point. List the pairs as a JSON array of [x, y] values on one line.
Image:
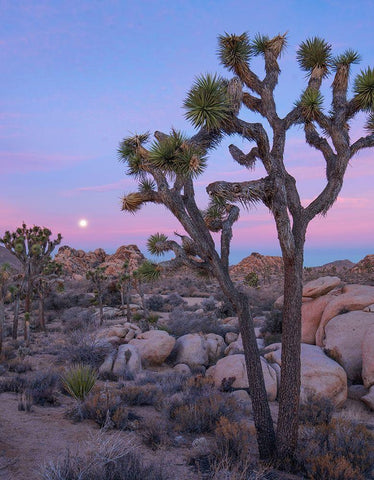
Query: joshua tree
[[43, 284], [33, 247], [98, 278], [146, 272], [4, 285], [213, 105], [15, 291], [124, 287]]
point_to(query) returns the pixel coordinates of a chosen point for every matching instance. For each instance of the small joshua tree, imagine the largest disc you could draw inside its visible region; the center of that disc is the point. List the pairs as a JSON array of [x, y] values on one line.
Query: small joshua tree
[[146, 272], [98, 278], [124, 287], [33, 247], [5, 276], [166, 171]]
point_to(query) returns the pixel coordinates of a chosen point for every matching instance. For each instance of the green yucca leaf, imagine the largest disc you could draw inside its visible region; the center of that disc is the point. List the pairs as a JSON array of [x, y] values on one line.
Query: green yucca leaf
[[156, 244], [234, 50], [79, 380], [207, 104], [132, 202], [147, 185], [135, 166], [163, 154], [190, 162], [349, 57], [314, 52], [259, 44], [129, 145], [149, 271], [310, 103], [364, 89], [369, 125]]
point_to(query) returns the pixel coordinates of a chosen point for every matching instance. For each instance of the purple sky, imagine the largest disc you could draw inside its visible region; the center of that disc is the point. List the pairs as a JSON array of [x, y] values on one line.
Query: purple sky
[[78, 76]]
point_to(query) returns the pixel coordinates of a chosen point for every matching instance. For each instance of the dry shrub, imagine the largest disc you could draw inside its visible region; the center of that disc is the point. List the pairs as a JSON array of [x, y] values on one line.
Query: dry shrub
[[340, 439], [329, 467], [153, 435], [141, 395], [316, 410], [233, 441]]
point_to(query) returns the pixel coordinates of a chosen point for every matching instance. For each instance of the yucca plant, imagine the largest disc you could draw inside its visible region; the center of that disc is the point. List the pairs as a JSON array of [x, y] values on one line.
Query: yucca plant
[[314, 53], [310, 104], [156, 244], [234, 50], [364, 89], [207, 103], [79, 380]]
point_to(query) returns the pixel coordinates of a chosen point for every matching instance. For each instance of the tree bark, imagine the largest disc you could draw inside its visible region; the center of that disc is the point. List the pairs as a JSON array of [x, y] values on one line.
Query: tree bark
[[41, 313], [289, 391], [2, 320], [15, 318], [261, 410], [100, 300]]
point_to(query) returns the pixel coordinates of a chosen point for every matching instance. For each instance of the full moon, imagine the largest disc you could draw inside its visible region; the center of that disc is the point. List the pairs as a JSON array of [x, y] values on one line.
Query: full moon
[[83, 223]]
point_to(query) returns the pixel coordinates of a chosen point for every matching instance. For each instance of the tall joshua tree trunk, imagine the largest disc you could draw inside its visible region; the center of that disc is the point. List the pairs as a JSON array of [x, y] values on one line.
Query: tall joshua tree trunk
[[15, 316]]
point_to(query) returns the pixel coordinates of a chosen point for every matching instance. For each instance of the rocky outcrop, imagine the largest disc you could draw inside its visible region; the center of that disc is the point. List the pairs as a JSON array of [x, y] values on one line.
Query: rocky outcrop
[[320, 286], [192, 350], [78, 262], [154, 346], [320, 375], [263, 265]]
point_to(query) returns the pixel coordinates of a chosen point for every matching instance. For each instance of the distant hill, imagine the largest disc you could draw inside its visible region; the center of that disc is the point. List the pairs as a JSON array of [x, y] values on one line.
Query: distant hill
[[7, 257], [263, 265]]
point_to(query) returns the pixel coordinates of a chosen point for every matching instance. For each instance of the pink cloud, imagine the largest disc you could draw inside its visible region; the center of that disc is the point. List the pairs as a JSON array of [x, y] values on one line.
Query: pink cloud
[[15, 162], [101, 188]]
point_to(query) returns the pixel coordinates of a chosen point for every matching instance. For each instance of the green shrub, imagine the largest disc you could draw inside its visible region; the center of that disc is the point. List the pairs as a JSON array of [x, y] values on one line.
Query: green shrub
[[251, 279], [79, 380]]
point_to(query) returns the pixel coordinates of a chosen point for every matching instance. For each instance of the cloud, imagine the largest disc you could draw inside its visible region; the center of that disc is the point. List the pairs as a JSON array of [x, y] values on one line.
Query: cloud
[[21, 162]]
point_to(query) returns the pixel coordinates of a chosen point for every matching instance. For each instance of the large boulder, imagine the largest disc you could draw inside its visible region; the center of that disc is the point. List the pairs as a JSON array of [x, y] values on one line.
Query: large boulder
[[216, 346], [311, 313], [368, 357], [127, 362], [320, 375], [154, 346], [320, 286], [234, 366], [125, 332], [353, 297], [191, 349], [344, 335]]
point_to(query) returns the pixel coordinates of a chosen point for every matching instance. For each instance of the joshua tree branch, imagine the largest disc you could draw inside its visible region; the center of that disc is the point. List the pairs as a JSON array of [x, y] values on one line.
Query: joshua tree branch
[[363, 142], [247, 160]]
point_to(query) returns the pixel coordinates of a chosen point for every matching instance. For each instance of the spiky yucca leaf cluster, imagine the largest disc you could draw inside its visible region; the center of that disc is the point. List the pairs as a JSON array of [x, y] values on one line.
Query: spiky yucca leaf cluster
[[132, 202], [79, 380], [149, 271], [207, 103], [147, 185], [215, 212], [369, 126], [173, 154], [260, 44], [310, 104], [156, 244], [364, 89], [314, 53], [234, 50], [129, 154], [349, 57]]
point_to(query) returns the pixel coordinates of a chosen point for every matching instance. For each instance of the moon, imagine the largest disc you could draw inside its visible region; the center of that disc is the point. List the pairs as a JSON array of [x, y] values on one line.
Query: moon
[[83, 223]]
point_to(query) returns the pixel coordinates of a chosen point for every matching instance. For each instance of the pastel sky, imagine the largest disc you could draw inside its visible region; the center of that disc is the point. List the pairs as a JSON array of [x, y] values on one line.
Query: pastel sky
[[78, 76]]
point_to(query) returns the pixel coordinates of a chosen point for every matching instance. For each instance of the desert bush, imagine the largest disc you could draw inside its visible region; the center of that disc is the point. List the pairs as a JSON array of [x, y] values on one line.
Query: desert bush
[[77, 318], [316, 410], [18, 365], [113, 459], [232, 442], [251, 279], [181, 322], [13, 384], [340, 439], [141, 395], [273, 322], [169, 382], [79, 380], [208, 304], [329, 467], [152, 435], [155, 303], [43, 388], [174, 300], [82, 347]]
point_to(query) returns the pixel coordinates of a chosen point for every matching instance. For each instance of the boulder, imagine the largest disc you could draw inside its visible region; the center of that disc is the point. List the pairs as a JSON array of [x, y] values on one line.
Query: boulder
[[234, 366], [216, 347], [356, 392], [344, 335], [182, 368], [353, 297], [368, 399], [235, 347], [320, 375], [154, 346], [320, 286], [107, 365], [231, 337], [369, 308], [192, 350], [311, 313], [368, 357], [128, 361]]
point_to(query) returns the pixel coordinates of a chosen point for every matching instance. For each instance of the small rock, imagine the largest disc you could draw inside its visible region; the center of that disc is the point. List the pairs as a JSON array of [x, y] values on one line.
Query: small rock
[[231, 337], [369, 398], [182, 368], [355, 392]]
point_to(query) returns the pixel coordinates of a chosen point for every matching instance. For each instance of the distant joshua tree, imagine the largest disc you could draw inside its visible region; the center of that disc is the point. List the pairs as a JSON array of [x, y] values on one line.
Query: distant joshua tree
[[33, 247], [167, 168]]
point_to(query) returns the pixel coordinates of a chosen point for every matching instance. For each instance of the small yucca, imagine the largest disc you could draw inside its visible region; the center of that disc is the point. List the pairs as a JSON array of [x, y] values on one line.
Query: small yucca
[[364, 89], [310, 104], [156, 244], [314, 53], [234, 50], [79, 380]]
